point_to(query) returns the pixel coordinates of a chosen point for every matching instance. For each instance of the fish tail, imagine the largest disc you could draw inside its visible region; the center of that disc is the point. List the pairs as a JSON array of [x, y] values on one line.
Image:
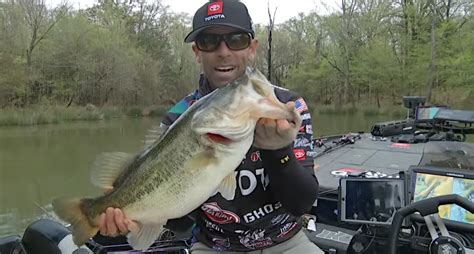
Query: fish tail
[[71, 211]]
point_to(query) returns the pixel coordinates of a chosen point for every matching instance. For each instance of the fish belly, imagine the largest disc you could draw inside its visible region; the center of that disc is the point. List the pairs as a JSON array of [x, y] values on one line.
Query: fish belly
[[176, 198]]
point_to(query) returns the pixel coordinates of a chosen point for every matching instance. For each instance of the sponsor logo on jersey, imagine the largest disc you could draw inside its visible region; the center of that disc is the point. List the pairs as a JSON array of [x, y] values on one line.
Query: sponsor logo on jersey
[[220, 243], [300, 154], [218, 215], [261, 212], [287, 229], [249, 180], [212, 226], [255, 239], [305, 116], [302, 142], [280, 219], [255, 156]]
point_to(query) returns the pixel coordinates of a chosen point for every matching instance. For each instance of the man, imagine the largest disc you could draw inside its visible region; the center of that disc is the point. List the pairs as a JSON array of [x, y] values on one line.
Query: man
[[272, 193]]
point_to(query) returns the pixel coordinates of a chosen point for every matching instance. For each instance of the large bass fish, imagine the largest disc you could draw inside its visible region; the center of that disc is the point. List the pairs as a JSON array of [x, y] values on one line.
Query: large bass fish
[[193, 160]]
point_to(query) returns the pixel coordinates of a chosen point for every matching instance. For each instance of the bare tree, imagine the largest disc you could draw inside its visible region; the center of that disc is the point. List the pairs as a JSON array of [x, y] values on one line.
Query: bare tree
[[270, 30], [432, 70], [37, 18]]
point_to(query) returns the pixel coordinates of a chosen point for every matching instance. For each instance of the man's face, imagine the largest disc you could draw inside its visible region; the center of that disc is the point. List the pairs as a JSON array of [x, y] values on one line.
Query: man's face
[[224, 65]]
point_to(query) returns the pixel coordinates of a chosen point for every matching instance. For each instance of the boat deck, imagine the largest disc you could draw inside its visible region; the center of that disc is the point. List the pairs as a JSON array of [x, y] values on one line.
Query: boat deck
[[384, 156]]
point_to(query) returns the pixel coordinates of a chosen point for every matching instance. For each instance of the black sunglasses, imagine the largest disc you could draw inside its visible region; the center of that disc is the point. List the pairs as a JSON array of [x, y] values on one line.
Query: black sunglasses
[[234, 41]]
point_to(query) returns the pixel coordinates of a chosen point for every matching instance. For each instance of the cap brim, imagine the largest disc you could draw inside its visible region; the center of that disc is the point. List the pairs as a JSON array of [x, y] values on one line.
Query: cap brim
[[193, 34]]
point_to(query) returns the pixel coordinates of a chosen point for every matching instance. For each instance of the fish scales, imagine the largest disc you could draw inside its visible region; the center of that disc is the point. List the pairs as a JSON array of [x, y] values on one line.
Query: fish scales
[[160, 164]]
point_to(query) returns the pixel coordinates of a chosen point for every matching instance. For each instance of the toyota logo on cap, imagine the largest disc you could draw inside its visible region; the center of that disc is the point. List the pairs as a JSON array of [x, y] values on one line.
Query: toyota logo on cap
[[215, 8]]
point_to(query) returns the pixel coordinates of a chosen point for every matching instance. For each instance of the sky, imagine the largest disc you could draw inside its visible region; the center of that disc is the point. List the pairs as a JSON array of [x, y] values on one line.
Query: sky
[[258, 8]]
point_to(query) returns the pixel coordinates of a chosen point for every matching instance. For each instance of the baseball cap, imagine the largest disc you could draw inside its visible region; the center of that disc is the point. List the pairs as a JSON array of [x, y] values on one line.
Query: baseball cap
[[232, 13]]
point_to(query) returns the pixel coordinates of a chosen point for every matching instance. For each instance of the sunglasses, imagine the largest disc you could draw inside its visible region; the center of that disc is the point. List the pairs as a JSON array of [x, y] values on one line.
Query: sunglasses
[[234, 41]]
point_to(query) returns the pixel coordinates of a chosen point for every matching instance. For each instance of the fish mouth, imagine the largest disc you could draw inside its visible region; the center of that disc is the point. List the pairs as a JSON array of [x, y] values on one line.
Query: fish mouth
[[227, 135], [218, 138]]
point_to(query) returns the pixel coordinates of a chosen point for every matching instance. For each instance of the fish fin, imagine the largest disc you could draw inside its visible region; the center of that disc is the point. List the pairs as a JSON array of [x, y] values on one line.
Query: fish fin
[[154, 134], [107, 167], [201, 160], [70, 211], [144, 236], [228, 186]]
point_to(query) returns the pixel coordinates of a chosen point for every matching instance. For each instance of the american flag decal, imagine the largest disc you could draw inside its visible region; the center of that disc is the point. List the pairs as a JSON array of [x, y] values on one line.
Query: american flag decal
[[300, 105]]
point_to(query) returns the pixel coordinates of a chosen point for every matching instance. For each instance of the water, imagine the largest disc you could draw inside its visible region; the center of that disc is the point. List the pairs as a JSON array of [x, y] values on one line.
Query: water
[[40, 163]]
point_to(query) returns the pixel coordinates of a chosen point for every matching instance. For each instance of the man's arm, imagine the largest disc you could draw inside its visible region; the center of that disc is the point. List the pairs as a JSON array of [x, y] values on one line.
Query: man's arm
[[290, 168], [293, 185]]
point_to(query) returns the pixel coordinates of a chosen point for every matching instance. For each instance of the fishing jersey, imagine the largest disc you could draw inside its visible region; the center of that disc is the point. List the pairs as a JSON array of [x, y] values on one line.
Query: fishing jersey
[[254, 219]]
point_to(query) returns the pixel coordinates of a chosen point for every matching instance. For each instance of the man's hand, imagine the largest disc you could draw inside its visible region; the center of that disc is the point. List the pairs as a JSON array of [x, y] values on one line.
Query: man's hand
[[114, 223], [271, 134]]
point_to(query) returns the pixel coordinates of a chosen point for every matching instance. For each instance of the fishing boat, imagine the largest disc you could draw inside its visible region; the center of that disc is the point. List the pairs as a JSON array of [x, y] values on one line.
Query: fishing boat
[[367, 178], [407, 186]]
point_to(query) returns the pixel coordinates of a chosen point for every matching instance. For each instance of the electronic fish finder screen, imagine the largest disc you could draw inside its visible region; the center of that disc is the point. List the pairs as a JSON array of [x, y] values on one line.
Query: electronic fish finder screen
[[371, 200], [430, 182], [426, 114]]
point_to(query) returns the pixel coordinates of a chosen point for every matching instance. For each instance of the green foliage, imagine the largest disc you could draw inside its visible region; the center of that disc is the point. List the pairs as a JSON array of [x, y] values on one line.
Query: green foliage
[[371, 111], [110, 54], [47, 115], [131, 54], [394, 112], [134, 112], [336, 110], [370, 55], [158, 111], [111, 112]]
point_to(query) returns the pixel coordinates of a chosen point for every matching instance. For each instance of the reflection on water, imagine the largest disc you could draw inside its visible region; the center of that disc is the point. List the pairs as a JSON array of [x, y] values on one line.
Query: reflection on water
[[9, 222], [40, 163]]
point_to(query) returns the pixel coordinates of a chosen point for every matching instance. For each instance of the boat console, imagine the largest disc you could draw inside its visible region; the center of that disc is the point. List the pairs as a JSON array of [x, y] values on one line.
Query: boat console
[[376, 205]]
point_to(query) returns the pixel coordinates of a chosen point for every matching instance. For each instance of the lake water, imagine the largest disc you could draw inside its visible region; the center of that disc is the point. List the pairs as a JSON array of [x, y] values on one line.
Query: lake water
[[40, 163]]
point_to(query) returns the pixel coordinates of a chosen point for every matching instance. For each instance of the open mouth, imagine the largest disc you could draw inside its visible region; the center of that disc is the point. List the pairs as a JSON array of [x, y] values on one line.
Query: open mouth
[[218, 138], [224, 69]]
